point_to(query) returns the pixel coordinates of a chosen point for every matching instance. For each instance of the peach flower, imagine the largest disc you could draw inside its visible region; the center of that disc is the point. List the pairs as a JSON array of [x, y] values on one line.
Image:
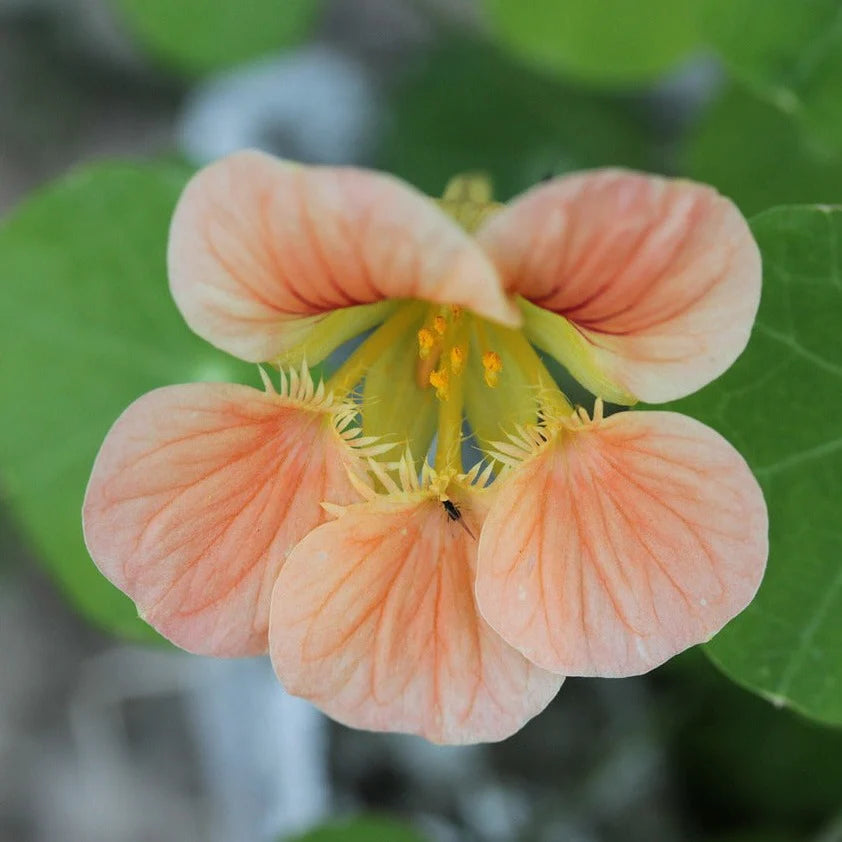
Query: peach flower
[[398, 595]]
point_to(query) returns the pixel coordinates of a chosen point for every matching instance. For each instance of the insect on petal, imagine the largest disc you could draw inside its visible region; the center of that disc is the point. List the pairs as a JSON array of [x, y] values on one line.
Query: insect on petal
[[374, 620], [647, 286], [196, 498], [621, 544], [261, 249]]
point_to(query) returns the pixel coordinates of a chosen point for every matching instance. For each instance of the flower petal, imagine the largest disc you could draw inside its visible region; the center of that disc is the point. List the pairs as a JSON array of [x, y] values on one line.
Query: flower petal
[[622, 543], [660, 278], [197, 496], [374, 620], [260, 249]]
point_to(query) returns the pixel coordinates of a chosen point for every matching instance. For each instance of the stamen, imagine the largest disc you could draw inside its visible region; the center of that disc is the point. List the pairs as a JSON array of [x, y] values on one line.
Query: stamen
[[439, 380], [440, 325], [493, 365], [426, 342], [457, 359], [455, 312]]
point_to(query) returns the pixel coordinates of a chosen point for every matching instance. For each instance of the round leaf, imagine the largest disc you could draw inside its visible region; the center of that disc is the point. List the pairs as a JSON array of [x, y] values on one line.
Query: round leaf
[[87, 325], [780, 405], [614, 42], [790, 51], [200, 36], [755, 155]]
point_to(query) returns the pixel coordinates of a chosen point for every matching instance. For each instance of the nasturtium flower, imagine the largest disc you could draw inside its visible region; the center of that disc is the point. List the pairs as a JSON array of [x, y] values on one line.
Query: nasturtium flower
[[336, 525]]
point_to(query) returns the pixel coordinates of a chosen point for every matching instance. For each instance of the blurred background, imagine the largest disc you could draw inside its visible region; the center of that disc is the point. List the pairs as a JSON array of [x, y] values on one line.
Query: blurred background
[[108, 734]]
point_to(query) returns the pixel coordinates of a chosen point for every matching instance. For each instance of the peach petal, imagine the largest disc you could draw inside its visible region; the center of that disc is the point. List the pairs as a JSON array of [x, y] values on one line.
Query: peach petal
[[261, 248], [197, 495], [621, 544], [660, 277], [374, 620]]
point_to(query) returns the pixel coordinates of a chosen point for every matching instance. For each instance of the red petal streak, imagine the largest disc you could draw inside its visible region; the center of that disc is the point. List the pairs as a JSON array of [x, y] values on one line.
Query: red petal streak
[[261, 248], [662, 276], [621, 544], [198, 494], [374, 620]]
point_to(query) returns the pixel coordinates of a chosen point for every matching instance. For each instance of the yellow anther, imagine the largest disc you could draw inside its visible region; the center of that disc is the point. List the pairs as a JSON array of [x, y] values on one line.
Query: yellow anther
[[493, 365], [457, 359], [440, 324], [426, 341], [455, 312], [439, 380]]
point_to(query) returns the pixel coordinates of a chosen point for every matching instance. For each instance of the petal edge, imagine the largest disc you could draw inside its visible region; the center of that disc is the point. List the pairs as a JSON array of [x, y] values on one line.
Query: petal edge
[[621, 544], [660, 277], [374, 620], [261, 249], [197, 495]]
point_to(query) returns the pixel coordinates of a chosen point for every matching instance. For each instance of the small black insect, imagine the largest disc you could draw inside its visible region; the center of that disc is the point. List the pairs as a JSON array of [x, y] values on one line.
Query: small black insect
[[452, 509], [454, 513]]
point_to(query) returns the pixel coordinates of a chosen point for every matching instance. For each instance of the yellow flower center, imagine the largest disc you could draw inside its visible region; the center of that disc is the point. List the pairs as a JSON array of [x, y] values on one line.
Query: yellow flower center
[[475, 368]]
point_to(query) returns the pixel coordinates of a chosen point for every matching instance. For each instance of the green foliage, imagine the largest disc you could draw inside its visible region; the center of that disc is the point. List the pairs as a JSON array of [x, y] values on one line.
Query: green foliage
[[468, 108], [87, 325], [744, 758], [614, 42], [790, 51], [755, 835], [200, 36], [362, 829], [755, 155], [779, 405]]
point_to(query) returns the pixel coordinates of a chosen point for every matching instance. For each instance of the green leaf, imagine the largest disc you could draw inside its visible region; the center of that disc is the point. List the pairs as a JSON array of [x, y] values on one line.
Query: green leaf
[[201, 36], [87, 325], [789, 51], [780, 407], [756, 835], [721, 733], [753, 153], [467, 108], [362, 829], [612, 42]]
